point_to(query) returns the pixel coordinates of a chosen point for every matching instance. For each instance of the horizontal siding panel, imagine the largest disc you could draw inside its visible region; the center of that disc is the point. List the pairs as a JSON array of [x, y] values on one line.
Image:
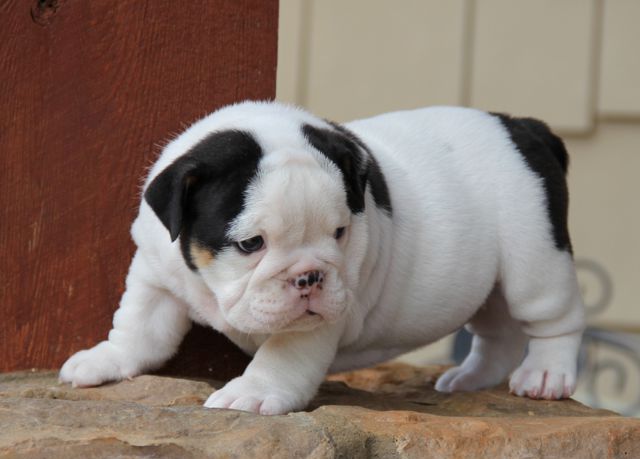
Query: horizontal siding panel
[[536, 58], [397, 55], [620, 64]]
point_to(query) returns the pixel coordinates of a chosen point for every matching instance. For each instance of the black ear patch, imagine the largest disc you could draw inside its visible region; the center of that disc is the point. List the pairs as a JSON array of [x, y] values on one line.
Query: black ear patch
[[358, 167], [202, 191], [546, 155], [167, 194]]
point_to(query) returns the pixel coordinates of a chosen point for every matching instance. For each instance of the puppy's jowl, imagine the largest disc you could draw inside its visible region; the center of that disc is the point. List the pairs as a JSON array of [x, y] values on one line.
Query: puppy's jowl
[[319, 247]]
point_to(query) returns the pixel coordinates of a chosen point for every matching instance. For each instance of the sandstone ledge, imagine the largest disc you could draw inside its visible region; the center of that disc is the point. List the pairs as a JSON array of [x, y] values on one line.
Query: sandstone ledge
[[387, 411]]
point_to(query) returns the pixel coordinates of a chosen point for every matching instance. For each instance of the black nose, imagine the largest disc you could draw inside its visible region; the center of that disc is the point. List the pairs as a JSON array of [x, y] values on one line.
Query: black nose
[[308, 279]]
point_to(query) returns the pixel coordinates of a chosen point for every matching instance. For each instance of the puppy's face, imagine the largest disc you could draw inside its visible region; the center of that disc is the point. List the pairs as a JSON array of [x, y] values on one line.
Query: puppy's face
[[279, 236]]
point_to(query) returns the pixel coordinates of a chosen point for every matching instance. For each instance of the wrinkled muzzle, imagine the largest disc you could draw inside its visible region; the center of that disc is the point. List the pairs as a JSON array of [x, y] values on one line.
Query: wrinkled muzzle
[[294, 302]]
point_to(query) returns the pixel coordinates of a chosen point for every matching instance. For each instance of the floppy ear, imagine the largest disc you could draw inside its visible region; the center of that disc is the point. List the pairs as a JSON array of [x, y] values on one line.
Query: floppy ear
[[345, 152], [167, 194]]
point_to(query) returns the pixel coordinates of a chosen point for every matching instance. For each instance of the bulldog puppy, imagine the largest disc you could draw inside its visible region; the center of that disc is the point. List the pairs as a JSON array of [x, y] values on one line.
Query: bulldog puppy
[[319, 247]]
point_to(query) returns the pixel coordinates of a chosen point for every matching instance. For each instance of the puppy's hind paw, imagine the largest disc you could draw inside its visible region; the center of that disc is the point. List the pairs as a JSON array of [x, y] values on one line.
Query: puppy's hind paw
[[467, 378], [444, 382], [546, 384]]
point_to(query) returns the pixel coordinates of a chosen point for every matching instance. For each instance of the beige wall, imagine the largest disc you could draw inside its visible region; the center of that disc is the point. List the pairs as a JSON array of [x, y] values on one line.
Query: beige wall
[[573, 63]]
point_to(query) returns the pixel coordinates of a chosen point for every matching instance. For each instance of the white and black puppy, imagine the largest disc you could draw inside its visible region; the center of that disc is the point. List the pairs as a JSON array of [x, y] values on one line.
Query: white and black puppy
[[319, 247]]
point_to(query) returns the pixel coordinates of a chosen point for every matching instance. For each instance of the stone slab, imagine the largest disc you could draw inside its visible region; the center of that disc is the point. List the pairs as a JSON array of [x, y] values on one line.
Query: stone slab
[[390, 410]]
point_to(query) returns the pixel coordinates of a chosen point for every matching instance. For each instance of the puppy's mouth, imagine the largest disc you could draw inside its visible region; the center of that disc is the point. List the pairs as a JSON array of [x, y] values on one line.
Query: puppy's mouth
[[306, 321], [300, 318], [308, 313]]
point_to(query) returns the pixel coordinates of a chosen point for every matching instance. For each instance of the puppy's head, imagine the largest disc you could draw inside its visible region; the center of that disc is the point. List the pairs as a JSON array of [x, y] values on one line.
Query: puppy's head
[[272, 218]]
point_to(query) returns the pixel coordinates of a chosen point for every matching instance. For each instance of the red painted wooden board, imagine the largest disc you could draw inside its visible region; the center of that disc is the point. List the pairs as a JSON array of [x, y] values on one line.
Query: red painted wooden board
[[89, 91]]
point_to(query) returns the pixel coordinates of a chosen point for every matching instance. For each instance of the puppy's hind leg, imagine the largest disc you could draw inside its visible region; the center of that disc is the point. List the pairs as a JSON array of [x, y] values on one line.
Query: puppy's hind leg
[[547, 302], [497, 348], [537, 274]]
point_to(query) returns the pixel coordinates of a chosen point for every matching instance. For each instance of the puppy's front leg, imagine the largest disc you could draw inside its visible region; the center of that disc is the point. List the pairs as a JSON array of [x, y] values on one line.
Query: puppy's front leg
[[147, 330], [284, 374]]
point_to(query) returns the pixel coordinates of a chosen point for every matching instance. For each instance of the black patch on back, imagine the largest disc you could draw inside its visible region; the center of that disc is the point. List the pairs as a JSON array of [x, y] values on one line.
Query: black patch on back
[[546, 155], [202, 191], [356, 163]]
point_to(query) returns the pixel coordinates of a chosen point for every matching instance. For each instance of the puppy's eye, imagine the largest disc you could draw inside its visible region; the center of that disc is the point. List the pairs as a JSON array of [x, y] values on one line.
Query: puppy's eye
[[339, 232], [250, 245]]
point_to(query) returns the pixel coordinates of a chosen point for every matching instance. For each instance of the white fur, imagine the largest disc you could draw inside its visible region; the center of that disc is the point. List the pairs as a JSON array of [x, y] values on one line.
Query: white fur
[[469, 241]]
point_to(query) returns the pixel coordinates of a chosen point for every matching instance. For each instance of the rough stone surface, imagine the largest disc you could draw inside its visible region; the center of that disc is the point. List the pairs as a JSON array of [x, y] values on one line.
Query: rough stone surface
[[387, 411]]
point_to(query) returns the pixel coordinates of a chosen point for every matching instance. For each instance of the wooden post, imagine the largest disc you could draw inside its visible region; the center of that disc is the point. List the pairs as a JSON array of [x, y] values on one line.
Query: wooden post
[[89, 93]]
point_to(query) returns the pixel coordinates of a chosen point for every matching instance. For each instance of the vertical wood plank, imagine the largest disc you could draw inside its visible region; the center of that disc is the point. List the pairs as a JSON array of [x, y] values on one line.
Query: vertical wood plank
[[89, 91]]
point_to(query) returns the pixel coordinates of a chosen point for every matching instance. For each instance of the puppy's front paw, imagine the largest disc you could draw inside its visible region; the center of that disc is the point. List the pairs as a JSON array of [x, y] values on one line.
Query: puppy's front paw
[[92, 367], [252, 394]]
